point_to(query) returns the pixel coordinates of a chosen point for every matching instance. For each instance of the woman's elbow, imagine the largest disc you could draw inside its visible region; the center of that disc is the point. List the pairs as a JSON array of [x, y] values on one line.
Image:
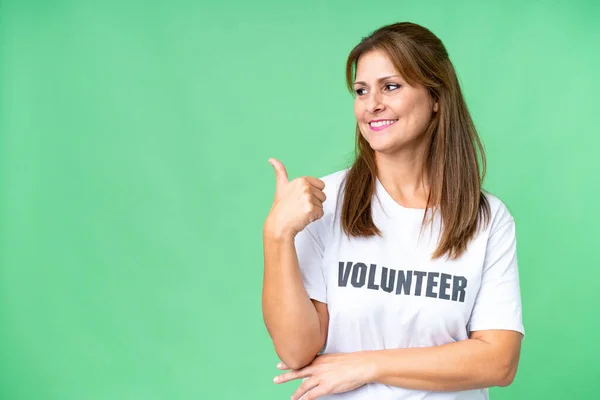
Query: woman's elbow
[[507, 376], [298, 351], [297, 360]]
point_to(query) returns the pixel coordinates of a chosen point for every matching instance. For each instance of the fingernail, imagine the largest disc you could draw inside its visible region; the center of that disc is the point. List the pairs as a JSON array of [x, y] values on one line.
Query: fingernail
[[275, 379]]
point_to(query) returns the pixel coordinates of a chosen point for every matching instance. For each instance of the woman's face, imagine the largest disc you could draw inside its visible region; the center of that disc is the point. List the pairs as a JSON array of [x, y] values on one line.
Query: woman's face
[[383, 95]]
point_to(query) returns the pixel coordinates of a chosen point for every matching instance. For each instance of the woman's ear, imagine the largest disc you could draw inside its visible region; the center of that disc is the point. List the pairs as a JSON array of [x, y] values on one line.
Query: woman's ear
[[435, 107]]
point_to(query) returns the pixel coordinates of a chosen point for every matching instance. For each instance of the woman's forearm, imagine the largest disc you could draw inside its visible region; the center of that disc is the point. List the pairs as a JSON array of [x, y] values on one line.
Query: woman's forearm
[[463, 365], [289, 315]]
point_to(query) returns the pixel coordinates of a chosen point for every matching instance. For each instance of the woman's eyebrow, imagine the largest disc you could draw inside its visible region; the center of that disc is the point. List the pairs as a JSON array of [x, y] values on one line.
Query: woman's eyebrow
[[378, 80]]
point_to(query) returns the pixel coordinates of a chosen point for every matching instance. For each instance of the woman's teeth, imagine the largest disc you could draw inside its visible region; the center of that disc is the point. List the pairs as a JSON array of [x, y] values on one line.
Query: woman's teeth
[[382, 123]]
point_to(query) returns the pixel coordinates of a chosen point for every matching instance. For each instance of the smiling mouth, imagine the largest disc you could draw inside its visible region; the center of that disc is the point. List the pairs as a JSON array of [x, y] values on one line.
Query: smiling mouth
[[380, 125]]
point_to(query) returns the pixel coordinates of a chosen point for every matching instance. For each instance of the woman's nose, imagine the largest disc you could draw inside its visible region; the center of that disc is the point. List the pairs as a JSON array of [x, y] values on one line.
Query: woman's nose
[[374, 104]]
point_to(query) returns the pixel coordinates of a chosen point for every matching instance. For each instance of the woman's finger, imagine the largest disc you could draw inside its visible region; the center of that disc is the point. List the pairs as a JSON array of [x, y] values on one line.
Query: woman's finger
[[316, 393], [304, 387], [294, 374]]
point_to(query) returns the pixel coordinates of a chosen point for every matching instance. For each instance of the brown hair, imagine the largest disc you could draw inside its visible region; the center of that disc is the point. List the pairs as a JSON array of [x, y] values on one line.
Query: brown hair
[[451, 158]]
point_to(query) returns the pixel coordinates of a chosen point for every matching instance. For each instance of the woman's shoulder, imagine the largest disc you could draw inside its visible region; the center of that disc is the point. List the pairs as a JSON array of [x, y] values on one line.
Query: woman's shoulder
[[499, 211]]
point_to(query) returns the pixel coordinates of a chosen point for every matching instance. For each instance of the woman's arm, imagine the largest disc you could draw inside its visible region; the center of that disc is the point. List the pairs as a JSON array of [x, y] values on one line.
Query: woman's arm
[[489, 358], [289, 315]]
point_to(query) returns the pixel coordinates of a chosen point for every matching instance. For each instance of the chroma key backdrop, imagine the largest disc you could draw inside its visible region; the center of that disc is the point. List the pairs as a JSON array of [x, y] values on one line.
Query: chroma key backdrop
[[134, 139]]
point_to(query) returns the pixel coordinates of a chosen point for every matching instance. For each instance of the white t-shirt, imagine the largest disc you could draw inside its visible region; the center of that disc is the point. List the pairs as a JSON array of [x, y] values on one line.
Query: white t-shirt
[[386, 293]]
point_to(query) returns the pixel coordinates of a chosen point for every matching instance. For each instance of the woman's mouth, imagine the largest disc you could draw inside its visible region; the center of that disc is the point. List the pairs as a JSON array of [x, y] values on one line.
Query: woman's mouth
[[381, 125]]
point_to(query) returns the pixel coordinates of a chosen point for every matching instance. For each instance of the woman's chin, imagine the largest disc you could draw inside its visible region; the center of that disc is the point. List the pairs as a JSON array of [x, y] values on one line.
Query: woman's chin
[[382, 147], [378, 142]]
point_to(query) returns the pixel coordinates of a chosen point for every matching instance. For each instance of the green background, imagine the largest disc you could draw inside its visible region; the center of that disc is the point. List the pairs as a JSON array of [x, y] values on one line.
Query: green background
[[134, 139]]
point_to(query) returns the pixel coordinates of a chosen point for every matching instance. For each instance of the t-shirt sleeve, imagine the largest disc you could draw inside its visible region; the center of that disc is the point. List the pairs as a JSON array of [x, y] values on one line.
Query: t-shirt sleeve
[[498, 302], [310, 249]]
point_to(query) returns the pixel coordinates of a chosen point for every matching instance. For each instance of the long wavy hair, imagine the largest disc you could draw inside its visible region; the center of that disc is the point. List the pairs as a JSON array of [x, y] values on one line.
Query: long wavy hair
[[452, 141]]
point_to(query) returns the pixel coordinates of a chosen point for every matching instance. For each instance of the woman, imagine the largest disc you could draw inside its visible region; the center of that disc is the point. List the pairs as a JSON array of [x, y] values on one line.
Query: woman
[[397, 277]]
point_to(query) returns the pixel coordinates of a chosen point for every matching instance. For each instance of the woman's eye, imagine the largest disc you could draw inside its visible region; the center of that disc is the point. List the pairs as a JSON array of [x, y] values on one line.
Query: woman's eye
[[387, 85]]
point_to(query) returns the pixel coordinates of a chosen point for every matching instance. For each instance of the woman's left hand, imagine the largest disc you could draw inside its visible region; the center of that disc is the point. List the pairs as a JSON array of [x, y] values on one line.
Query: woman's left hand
[[327, 374]]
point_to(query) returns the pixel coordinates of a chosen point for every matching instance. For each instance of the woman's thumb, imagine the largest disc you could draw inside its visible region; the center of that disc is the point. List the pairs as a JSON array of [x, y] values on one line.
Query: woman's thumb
[[281, 177]]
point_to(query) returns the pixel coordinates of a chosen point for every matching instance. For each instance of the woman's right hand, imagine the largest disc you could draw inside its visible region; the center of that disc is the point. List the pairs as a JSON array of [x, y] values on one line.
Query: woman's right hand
[[296, 204]]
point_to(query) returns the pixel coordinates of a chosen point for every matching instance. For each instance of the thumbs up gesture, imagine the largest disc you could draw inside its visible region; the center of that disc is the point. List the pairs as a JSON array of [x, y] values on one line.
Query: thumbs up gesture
[[296, 203]]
